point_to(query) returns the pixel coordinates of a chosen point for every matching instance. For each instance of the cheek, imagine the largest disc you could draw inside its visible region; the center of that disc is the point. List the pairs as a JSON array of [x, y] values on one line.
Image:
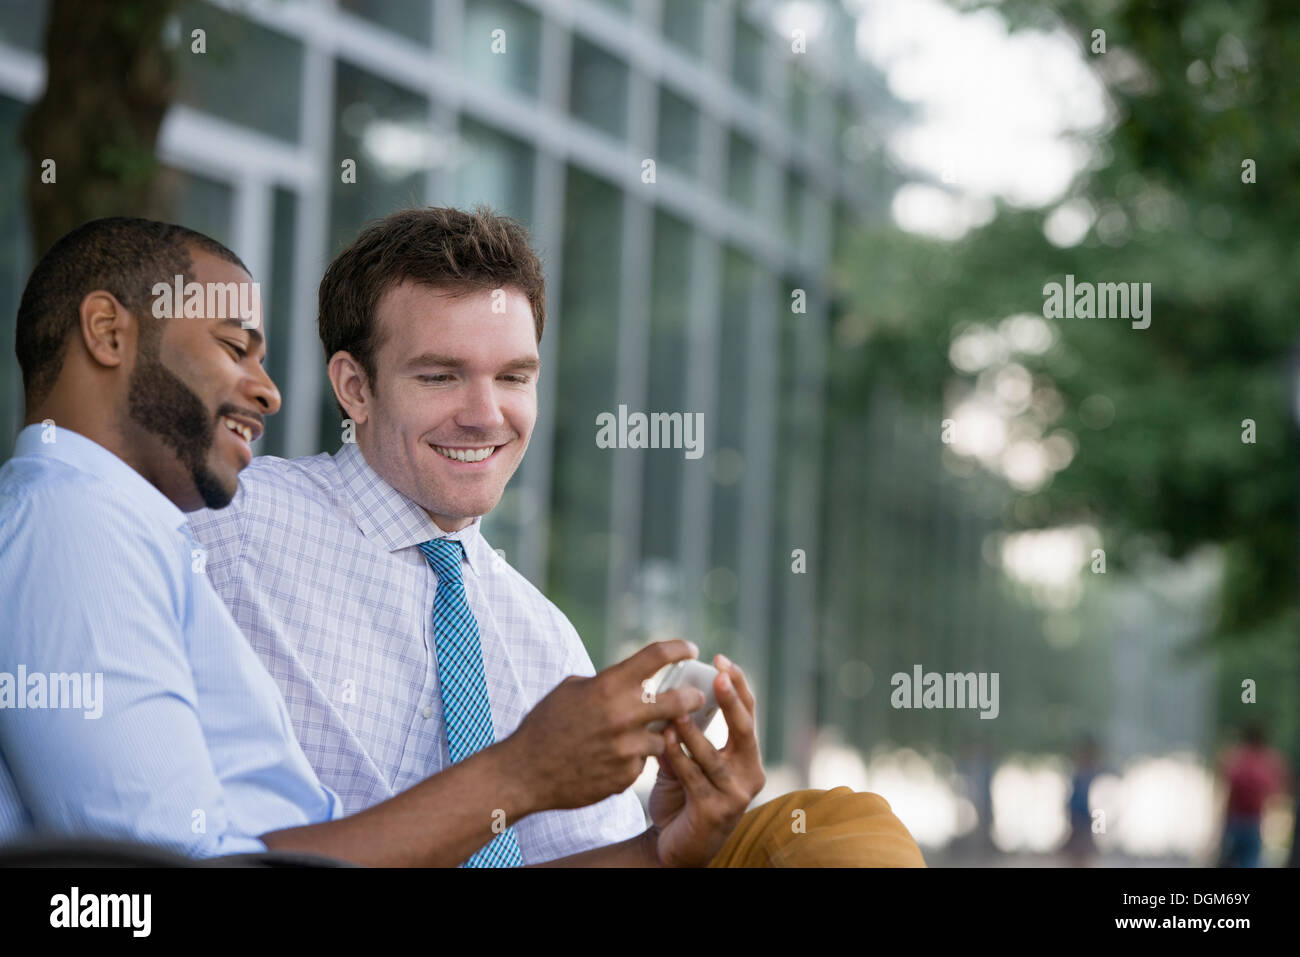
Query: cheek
[[521, 413], [411, 414], [397, 406], [197, 373]]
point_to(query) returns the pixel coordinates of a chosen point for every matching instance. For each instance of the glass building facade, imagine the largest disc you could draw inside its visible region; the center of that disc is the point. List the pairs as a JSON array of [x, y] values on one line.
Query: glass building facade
[[687, 178]]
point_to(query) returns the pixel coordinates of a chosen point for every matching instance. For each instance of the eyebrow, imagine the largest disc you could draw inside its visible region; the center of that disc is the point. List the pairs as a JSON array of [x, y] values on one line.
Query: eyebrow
[[254, 333], [522, 364]]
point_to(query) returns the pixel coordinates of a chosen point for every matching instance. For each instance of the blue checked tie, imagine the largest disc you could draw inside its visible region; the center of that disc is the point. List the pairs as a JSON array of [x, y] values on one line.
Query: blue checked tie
[[466, 710]]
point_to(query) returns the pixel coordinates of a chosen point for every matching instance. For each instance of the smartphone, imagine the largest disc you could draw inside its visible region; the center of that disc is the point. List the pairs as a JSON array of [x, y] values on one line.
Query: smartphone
[[689, 673]]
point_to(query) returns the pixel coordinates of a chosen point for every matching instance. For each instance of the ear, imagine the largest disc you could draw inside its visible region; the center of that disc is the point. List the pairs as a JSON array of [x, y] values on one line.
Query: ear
[[351, 387], [107, 328]]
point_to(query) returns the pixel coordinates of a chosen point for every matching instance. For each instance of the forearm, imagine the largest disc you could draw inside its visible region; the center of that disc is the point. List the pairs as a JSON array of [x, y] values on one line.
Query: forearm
[[438, 823], [639, 851]]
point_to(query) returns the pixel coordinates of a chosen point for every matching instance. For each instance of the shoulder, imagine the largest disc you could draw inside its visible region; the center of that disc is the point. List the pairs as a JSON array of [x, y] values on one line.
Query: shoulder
[[545, 613], [268, 487], [52, 505], [309, 475], [73, 535], [530, 593], [270, 478]]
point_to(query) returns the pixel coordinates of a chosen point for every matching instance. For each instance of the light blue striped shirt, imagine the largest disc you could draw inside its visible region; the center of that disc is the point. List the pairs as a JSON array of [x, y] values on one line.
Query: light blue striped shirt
[[317, 559], [192, 749]]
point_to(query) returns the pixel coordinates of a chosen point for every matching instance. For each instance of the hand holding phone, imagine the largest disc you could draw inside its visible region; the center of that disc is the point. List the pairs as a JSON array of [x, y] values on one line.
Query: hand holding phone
[[695, 674]]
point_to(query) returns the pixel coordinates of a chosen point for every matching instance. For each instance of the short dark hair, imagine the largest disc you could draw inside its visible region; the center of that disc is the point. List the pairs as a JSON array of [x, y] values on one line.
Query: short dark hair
[[122, 255], [436, 246]]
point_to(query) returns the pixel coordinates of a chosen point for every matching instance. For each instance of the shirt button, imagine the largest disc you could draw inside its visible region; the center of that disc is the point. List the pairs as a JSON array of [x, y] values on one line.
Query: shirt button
[[428, 712]]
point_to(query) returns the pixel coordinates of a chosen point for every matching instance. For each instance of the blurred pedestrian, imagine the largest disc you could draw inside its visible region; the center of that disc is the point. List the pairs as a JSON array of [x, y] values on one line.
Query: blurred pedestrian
[[1080, 847], [1253, 772]]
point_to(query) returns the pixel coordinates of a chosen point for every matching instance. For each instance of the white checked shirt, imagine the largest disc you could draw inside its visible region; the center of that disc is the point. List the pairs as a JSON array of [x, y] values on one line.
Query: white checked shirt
[[317, 560]]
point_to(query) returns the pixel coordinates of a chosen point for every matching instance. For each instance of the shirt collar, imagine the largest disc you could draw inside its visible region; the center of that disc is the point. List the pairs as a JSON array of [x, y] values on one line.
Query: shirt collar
[[73, 448], [392, 520]]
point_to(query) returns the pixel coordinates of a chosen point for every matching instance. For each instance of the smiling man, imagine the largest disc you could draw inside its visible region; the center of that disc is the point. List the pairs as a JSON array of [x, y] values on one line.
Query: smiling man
[[401, 641], [452, 422], [128, 428]]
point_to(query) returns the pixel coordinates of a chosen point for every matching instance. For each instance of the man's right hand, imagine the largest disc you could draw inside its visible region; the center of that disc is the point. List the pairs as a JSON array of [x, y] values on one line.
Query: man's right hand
[[588, 739]]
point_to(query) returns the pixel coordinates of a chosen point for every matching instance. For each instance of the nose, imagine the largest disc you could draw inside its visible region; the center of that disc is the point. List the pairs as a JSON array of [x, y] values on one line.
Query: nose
[[479, 408], [260, 389]]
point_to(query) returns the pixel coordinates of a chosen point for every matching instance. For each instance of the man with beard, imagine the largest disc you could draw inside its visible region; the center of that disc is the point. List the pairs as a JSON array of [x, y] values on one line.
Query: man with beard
[[133, 420]]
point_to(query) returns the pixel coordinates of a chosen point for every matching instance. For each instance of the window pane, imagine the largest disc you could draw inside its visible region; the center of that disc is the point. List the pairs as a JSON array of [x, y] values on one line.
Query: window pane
[[409, 18], [669, 306], [794, 452], [385, 130], [598, 88], [742, 173], [801, 96], [496, 169], [22, 24], [584, 388], [794, 207], [198, 202], [747, 60], [249, 75], [722, 584], [516, 67], [766, 206], [816, 216], [779, 81], [278, 298], [683, 24], [679, 132]]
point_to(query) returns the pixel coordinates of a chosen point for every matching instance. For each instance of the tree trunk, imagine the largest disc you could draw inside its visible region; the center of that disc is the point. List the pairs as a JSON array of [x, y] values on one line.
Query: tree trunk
[[109, 83]]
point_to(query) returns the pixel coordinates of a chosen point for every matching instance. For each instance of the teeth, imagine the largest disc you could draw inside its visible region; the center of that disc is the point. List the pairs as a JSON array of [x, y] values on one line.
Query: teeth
[[466, 455], [244, 430]]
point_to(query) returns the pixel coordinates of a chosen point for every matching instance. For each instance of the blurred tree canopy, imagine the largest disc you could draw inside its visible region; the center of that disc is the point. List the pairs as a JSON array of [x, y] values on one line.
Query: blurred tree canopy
[[1199, 88]]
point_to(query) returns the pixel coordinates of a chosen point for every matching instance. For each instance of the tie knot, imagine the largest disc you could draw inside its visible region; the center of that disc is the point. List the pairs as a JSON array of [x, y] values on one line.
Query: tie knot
[[445, 555]]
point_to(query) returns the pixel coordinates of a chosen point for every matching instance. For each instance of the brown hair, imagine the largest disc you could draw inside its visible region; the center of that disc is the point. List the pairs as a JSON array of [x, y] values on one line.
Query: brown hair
[[437, 246]]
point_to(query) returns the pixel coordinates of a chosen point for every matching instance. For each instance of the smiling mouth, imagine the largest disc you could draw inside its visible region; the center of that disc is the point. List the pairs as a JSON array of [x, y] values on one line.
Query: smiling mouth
[[468, 456], [239, 428]]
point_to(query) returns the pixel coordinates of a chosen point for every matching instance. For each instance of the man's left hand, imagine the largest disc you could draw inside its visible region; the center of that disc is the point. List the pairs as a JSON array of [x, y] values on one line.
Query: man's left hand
[[699, 798]]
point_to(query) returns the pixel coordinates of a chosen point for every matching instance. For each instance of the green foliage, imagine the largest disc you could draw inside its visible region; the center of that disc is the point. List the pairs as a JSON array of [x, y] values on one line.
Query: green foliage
[[1171, 470]]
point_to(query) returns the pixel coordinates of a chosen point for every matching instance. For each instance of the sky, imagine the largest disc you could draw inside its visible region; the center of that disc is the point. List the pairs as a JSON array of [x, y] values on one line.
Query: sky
[[996, 114]]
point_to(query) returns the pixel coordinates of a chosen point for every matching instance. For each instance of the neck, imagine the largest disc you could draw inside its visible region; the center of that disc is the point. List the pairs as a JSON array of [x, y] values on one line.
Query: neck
[[90, 418], [444, 522], [100, 422], [449, 525]]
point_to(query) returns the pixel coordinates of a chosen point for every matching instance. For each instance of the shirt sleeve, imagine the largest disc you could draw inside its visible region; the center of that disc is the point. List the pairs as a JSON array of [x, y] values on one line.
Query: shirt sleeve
[[619, 816], [102, 603]]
